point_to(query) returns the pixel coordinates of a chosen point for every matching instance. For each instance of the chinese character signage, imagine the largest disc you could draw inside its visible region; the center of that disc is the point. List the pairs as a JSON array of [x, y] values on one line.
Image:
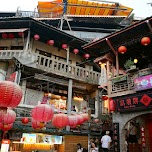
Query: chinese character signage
[[139, 101], [116, 137], [143, 140], [143, 83]]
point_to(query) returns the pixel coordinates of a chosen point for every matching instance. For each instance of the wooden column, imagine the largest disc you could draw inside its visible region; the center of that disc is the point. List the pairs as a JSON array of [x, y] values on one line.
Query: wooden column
[[68, 55], [69, 100]]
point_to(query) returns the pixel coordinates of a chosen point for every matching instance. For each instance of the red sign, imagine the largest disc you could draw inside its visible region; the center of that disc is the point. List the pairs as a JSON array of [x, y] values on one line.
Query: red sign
[[5, 141], [134, 102]]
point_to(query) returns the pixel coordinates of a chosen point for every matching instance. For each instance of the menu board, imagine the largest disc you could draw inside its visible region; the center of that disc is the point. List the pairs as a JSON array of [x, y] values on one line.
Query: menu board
[[41, 138], [29, 138]]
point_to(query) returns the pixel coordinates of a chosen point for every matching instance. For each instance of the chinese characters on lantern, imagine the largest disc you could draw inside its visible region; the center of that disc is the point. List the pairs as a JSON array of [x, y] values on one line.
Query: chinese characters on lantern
[[143, 140], [116, 137]]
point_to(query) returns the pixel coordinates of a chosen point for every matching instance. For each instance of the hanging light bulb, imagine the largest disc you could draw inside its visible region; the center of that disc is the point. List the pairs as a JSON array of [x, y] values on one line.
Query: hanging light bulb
[[135, 60]]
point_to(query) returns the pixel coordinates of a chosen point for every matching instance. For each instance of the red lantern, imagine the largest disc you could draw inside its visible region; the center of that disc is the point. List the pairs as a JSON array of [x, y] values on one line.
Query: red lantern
[[80, 119], [11, 35], [73, 120], [64, 46], [6, 127], [86, 56], [11, 94], [145, 41], [104, 97], [50, 42], [37, 125], [112, 105], [75, 51], [4, 36], [85, 116], [122, 49], [42, 113], [20, 34], [36, 37], [60, 120], [9, 117], [25, 120]]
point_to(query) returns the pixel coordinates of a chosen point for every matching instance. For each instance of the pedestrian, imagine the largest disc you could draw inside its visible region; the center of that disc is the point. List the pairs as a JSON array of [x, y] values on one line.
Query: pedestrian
[[132, 133], [79, 148], [94, 147], [105, 142]]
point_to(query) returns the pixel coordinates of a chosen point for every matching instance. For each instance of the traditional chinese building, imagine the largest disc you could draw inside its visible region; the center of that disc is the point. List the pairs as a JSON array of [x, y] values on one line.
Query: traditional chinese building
[[126, 58]]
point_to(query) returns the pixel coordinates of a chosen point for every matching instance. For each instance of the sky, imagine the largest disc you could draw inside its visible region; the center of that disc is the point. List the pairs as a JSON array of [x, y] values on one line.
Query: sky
[[141, 8]]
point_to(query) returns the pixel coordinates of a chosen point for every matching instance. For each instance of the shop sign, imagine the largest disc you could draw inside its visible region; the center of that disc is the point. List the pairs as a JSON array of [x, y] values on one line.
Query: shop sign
[[5, 145], [143, 83], [116, 137], [143, 140], [134, 102]]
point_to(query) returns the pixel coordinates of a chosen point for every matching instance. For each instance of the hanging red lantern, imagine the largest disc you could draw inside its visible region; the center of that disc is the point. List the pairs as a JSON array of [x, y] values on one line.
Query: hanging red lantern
[[11, 36], [4, 36], [60, 120], [11, 94], [122, 49], [42, 113], [86, 56], [9, 117], [80, 119], [6, 127], [75, 51], [21, 34], [50, 42], [145, 41], [112, 105], [64, 46], [37, 124], [85, 116], [73, 120], [104, 97], [36, 37], [25, 120]]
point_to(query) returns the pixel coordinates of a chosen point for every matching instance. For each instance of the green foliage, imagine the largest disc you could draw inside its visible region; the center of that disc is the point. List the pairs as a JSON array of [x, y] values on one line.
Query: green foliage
[[128, 64]]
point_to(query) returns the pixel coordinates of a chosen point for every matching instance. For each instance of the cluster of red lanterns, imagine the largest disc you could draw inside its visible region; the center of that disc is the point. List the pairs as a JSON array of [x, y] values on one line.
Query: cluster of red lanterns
[[11, 35], [61, 120], [10, 97], [144, 41]]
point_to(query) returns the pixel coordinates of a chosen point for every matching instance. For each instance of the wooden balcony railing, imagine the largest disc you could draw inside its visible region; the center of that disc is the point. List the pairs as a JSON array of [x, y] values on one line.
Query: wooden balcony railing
[[67, 70], [125, 84], [53, 66], [8, 54]]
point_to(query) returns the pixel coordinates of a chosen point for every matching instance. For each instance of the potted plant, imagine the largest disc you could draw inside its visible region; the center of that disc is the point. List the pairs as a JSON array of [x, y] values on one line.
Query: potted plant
[[129, 64]]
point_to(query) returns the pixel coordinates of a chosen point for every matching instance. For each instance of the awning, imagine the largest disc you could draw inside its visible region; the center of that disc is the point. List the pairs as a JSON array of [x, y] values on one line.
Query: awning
[[82, 7], [13, 30]]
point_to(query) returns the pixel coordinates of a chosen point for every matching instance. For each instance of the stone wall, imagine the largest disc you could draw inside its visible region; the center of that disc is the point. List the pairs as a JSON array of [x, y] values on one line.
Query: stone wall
[[122, 119]]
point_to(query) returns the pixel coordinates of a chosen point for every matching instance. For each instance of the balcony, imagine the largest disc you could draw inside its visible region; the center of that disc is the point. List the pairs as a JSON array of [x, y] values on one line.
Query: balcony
[[51, 65], [124, 84]]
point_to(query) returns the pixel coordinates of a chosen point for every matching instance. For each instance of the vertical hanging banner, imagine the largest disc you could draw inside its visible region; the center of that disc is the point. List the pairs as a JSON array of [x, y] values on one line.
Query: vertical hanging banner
[[116, 137], [143, 140]]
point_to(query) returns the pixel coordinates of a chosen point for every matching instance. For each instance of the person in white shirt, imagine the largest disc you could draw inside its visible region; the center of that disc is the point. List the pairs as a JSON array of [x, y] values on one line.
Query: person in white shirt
[[79, 148], [105, 141]]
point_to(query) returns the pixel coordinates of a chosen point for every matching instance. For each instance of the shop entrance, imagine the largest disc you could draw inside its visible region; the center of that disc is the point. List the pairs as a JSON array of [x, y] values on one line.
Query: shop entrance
[[138, 134]]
